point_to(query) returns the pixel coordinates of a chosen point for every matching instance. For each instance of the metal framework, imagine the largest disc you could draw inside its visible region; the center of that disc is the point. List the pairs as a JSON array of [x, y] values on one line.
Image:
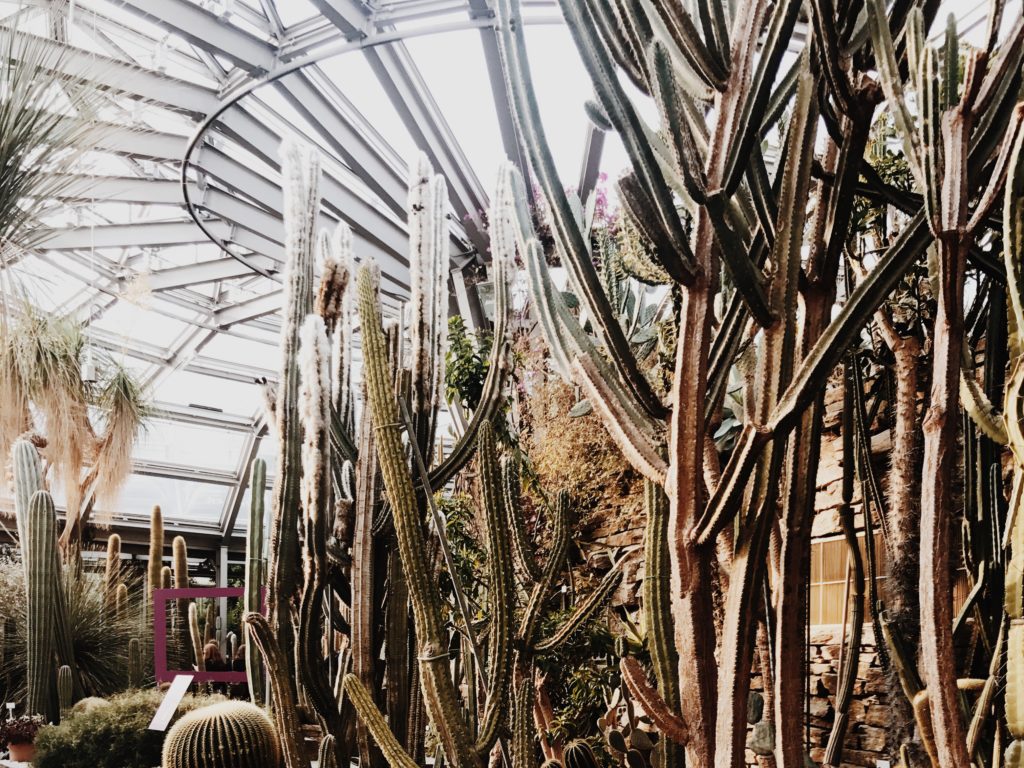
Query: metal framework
[[168, 64]]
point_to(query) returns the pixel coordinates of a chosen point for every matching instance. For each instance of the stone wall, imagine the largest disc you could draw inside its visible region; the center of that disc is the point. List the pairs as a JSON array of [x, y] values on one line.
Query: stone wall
[[864, 744]]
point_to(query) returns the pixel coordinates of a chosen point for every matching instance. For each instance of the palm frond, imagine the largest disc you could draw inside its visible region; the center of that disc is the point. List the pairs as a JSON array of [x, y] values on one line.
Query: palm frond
[[47, 123]]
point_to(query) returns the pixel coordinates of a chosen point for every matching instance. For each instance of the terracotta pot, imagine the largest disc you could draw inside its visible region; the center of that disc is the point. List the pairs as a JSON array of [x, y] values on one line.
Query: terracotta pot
[[22, 753]]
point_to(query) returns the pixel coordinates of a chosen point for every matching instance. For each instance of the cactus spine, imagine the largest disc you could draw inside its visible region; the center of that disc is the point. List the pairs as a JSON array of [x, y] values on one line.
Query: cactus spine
[[255, 571], [40, 580], [226, 735]]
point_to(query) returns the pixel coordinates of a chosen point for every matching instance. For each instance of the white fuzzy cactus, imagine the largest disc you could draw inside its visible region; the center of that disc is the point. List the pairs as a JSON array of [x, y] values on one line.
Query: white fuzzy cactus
[[314, 410]]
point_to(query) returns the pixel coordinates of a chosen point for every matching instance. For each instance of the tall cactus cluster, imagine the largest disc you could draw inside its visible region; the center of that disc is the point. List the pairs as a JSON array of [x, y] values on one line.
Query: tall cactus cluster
[[349, 552], [813, 195], [749, 194]]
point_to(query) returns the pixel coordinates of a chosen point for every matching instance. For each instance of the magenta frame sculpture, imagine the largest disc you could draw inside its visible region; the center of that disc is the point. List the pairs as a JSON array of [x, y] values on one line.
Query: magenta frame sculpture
[[160, 598]]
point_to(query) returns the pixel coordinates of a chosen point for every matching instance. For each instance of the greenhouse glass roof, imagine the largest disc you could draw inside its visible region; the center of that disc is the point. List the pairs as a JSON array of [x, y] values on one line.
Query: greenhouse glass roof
[[198, 326]]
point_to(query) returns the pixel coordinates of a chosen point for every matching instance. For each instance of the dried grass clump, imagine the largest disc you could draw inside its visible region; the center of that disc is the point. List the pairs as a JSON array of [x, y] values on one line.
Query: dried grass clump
[[575, 453]]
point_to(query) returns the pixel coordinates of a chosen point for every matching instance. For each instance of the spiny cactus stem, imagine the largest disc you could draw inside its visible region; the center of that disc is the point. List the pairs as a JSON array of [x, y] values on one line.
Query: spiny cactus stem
[[368, 713], [667, 721], [446, 549], [438, 690]]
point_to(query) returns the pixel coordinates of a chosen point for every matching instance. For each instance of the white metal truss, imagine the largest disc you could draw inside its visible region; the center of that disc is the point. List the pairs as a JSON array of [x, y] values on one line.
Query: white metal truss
[[169, 63]]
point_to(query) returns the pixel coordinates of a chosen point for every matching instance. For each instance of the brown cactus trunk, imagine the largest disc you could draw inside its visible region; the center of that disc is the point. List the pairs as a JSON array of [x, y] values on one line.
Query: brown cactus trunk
[[937, 495]]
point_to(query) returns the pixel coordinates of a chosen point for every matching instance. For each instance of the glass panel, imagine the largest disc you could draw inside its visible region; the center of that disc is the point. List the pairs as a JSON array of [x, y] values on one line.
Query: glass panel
[[178, 498], [242, 521], [816, 562], [134, 322], [816, 604], [189, 445], [210, 392], [832, 603], [242, 351]]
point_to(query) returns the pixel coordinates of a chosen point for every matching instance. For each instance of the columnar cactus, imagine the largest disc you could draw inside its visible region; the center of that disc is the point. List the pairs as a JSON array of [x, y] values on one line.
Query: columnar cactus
[[255, 575], [121, 600], [27, 480], [705, 65], [179, 560], [301, 172], [439, 693], [40, 581], [196, 636], [112, 574], [1013, 224], [134, 663], [155, 563], [226, 735], [65, 690]]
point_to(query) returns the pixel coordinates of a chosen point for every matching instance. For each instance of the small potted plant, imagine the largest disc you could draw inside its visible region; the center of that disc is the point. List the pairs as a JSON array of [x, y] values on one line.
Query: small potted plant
[[19, 734]]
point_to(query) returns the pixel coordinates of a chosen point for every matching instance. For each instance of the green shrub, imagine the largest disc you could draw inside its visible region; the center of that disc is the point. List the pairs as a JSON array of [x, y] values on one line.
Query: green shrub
[[112, 736]]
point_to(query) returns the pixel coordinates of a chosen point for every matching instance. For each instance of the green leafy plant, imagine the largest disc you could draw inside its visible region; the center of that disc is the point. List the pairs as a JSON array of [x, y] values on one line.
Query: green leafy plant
[[114, 735], [466, 363]]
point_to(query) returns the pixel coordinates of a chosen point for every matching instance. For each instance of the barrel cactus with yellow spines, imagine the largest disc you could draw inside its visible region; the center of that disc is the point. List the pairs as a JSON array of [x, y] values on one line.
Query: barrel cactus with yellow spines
[[579, 754], [225, 735]]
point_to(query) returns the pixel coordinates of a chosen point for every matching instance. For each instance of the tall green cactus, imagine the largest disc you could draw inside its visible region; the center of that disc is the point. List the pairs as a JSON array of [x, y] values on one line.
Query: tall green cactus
[[65, 690], [255, 575], [439, 693], [112, 573], [501, 592], [301, 172], [27, 480], [134, 663], [154, 564], [195, 636], [226, 735], [183, 636], [40, 583]]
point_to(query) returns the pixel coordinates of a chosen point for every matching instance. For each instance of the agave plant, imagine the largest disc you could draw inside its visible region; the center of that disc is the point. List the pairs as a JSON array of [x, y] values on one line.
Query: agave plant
[[100, 636]]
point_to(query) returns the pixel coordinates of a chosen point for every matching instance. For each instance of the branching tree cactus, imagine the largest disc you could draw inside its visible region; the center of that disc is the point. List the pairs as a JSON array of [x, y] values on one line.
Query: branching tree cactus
[[1013, 224], [750, 255]]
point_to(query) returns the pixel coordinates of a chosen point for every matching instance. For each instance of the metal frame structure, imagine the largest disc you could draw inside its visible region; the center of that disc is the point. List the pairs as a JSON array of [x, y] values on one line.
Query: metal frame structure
[[168, 64]]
